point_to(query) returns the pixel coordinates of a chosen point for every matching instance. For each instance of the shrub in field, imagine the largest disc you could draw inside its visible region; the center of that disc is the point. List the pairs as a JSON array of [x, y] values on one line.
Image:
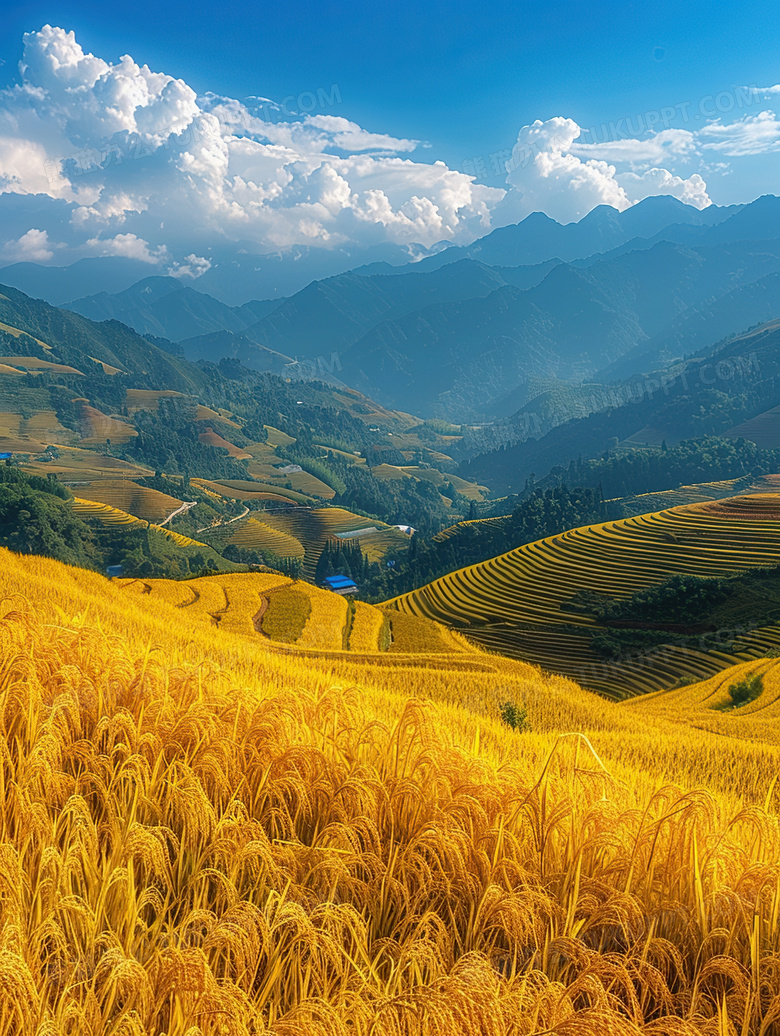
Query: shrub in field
[[286, 615], [744, 691], [514, 715]]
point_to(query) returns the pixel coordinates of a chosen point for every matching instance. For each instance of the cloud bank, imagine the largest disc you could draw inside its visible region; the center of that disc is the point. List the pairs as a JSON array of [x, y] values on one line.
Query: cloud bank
[[121, 160]]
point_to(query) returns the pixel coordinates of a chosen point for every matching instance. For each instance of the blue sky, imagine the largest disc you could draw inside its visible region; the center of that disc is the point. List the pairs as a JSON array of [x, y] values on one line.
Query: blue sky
[[660, 85], [460, 76]]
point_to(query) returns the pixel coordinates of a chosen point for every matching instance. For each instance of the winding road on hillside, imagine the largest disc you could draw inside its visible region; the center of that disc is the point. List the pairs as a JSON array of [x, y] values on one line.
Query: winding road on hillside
[[186, 506]]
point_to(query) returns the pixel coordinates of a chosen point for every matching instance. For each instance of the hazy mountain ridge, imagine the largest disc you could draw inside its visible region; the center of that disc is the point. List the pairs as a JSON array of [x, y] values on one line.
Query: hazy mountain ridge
[[721, 387]]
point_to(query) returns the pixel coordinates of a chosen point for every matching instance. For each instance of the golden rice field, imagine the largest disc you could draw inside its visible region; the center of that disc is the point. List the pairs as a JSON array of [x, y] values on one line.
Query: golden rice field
[[203, 834], [311, 528], [107, 367], [238, 489], [79, 465], [97, 427], [34, 363], [108, 515], [517, 603], [211, 438], [149, 504], [468, 489], [256, 535], [205, 413], [148, 399], [328, 624], [32, 434], [454, 530], [17, 333], [763, 430], [276, 437]]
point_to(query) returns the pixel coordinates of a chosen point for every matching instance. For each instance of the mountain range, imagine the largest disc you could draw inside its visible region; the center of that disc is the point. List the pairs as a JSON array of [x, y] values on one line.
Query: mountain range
[[471, 334]]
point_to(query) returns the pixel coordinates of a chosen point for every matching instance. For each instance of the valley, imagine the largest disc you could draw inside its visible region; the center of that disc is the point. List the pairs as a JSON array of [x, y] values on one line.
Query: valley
[[521, 775]]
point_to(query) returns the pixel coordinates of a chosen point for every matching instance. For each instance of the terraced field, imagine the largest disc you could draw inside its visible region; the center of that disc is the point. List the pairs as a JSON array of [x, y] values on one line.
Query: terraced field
[[468, 489], [75, 464], [35, 363], [333, 625], [763, 430], [113, 516], [311, 528], [97, 427], [148, 504], [205, 413], [455, 530], [236, 489], [517, 603], [708, 706], [34, 433], [17, 333], [104, 513], [211, 438], [257, 535], [148, 399]]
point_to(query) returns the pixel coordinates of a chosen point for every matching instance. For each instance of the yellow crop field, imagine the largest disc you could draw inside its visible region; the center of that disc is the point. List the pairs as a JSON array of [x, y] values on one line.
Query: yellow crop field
[[468, 489], [17, 333], [415, 634], [34, 363], [205, 413], [108, 515], [10, 424], [149, 504], [326, 624], [366, 630], [211, 438], [454, 530], [303, 531], [202, 833], [107, 367], [32, 434], [79, 465], [353, 458], [387, 472], [238, 489], [518, 603], [308, 484], [96, 427], [314, 527], [276, 437], [149, 399], [104, 513], [255, 535], [376, 545]]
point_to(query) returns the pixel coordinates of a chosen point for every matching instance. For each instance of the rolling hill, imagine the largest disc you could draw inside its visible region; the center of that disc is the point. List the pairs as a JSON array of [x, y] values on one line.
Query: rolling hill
[[711, 393], [204, 824], [528, 603], [453, 334], [166, 308]]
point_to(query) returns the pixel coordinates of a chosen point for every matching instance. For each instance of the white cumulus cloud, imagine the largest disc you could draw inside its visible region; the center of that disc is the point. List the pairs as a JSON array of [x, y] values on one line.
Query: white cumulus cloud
[[550, 171], [194, 266], [122, 160], [129, 246], [30, 247]]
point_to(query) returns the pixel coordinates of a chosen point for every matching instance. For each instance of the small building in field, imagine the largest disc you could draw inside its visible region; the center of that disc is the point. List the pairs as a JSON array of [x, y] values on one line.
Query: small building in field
[[340, 585]]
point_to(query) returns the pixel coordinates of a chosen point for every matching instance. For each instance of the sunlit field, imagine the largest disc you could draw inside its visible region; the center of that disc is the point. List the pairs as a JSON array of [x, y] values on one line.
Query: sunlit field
[[520, 603], [205, 832]]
